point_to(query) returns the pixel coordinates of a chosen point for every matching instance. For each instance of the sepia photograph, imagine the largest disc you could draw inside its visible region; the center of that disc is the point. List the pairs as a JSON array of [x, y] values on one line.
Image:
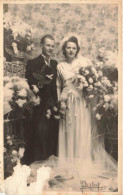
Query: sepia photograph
[[61, 97]]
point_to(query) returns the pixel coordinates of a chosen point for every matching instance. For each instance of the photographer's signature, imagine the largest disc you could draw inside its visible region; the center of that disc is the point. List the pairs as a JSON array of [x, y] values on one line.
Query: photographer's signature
[[91, 186]]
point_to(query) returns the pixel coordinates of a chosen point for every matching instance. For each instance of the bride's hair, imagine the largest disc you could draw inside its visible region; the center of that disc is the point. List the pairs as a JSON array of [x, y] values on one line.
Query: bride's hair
[[71, 39]]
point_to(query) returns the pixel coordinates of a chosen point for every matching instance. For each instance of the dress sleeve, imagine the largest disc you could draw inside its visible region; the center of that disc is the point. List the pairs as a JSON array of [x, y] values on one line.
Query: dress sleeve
[[59, 83]]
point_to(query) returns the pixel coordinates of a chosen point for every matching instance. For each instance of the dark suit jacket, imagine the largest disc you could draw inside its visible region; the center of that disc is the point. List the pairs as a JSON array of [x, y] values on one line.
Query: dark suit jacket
[[36, 65], [42, 132]]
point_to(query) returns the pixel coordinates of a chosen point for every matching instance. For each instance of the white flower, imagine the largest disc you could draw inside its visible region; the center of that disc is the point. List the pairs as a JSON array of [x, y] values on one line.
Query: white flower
[[49, 111], [8, 94], [55, 108], [93, 70], [90, 80], [85, 84], [98, 116], [63, 105], [106, 82], [37, 101], [86, 72], [21, 152], [28, 48], [100, 73], [57, 117], [48, 116], [106, 106], [91, 86], [14, 152], [35, 88], [5, 150], [8, 137], [91, 96], [20, 102], [107, 98], [9, 85], [22, 93], [9, 142]]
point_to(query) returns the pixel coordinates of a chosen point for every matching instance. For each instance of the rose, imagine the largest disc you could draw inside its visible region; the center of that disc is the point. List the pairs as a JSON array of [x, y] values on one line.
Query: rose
[[55, 108], [49, 111], [8, 137], [22, 93], [14, 152], [86, 72], [107, 98], [9, 142], [20, 102], [98, 116], [90, 80]]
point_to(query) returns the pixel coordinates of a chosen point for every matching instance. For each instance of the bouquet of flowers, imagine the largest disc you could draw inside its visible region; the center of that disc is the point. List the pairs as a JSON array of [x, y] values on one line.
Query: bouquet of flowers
[[57, 111], [92, 82], [17, 94]]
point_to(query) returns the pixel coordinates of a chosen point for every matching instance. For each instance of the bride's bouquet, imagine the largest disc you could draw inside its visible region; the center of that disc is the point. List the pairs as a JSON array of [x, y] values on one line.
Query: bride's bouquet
[[92, 82], [17, 94]]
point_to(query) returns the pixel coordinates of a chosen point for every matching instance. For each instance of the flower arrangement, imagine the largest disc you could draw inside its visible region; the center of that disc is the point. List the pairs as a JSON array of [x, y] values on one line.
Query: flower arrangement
[[57, 111], [17, 43], [17, 94], [13, 153]]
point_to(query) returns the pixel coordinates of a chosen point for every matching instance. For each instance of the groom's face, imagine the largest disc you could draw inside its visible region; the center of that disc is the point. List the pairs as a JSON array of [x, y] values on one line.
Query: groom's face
[[48, 47]]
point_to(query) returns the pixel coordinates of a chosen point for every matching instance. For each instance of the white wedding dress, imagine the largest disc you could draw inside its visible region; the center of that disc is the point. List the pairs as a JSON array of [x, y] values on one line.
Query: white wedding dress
[[75, 129]]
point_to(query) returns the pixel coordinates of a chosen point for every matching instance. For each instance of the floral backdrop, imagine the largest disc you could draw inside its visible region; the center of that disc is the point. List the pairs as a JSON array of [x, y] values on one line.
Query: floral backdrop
[[95, 23]]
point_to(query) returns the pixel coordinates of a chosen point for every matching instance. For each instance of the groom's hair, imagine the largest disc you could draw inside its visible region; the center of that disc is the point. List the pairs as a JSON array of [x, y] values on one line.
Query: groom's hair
[[71, 39], [49, 36]]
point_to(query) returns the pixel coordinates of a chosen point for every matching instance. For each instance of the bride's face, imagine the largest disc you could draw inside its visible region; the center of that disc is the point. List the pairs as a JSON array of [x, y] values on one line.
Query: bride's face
[[70, 50]]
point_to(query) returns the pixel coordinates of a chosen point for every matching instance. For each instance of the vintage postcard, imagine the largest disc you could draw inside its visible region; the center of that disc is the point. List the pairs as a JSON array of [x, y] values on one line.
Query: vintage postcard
[[61, 101]]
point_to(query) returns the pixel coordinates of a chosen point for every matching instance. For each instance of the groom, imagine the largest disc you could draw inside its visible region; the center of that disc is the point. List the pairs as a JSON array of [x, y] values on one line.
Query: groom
[[41, 72]]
